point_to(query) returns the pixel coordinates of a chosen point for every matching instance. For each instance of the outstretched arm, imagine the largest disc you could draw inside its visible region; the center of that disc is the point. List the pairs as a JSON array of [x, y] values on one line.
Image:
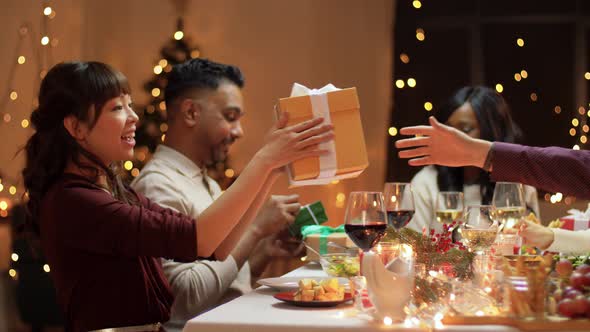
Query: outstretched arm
[[551, 168]]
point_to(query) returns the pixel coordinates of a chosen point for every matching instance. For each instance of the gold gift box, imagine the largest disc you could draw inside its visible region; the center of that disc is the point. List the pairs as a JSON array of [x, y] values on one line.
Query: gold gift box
[[313, 241], [351, 152]]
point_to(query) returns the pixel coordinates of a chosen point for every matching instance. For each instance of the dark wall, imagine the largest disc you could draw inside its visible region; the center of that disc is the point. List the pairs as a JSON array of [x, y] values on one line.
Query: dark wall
[[474, 42]]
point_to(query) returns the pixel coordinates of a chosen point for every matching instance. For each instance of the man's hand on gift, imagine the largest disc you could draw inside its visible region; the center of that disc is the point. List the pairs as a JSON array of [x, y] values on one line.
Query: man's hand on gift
[[282, 244], [276, 214], [285, 144], [273, 218], [277, 245]]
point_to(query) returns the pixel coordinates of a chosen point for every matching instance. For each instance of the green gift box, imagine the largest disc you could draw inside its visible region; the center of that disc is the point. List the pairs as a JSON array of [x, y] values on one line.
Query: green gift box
[[310, 214], [317, 238]]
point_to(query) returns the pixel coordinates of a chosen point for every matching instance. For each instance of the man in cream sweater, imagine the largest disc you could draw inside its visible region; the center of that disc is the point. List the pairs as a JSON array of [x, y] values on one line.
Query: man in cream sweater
[[204, 104]]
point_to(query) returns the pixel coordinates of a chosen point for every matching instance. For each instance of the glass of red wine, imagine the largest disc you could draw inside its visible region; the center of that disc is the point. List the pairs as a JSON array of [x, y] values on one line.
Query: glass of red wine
[[399, 203], [364, 220]]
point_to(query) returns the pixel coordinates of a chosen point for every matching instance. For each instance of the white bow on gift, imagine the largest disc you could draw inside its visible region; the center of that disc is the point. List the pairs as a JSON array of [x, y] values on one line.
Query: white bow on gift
[[389, 286], [580, 215], [301, 90]]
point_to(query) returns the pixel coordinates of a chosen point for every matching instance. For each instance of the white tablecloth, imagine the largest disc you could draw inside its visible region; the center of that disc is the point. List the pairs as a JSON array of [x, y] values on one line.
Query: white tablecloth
[[259, 311]]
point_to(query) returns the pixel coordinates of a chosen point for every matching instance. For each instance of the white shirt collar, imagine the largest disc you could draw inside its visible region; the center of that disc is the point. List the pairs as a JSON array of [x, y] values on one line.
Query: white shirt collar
[[178, 161]]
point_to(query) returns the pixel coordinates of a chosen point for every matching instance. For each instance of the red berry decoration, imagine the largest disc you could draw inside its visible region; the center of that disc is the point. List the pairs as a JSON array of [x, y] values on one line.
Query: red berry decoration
[[583, 269], [577, 280], [571, 294], [573, 300], [586, 281], [564, 268], [580, 305], [566, 308]]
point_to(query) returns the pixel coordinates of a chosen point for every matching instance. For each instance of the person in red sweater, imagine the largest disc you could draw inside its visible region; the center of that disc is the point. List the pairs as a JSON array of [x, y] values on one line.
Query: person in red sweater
[[102, 239]]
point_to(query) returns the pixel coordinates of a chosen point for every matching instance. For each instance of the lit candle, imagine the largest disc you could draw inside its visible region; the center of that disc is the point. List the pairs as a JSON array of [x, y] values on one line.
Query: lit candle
[[406, 251], [387, 321], [438, 320]]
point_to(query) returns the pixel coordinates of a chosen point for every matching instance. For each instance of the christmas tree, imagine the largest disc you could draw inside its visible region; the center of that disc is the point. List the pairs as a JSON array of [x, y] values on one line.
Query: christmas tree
[[152, 126]]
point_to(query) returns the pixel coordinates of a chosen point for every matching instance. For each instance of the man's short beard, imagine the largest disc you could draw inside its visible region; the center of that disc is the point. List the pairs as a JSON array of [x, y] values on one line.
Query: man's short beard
[[218, 156]]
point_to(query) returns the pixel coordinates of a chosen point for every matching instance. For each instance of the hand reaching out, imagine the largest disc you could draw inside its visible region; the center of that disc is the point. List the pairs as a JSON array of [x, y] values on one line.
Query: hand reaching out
[[441, 145]]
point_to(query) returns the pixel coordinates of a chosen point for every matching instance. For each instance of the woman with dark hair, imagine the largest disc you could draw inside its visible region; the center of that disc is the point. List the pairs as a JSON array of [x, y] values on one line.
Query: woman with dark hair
[[101, 239], [479, 112]]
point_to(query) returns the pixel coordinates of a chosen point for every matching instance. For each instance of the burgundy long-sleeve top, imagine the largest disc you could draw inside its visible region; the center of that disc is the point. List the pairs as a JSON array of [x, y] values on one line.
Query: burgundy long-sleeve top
[[103, 254], [552, 168]]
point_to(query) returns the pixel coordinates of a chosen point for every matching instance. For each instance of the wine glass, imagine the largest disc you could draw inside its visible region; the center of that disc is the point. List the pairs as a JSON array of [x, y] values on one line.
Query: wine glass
[[479, 228], [399, 203], [364, 219], [449, 206], [510, 205]]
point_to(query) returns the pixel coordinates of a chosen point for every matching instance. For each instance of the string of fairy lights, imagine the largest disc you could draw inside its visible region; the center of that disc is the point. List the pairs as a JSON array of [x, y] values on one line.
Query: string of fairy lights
[[40, 56], [579, 127]]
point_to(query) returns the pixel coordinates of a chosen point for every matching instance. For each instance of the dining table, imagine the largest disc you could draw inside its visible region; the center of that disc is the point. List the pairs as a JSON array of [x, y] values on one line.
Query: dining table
[[259, 311]]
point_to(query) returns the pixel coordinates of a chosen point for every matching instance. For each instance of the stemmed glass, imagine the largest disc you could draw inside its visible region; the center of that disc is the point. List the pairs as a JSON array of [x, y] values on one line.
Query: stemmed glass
[[449, 206], [364, 219], [509, 203], [479, 228], [399, 203]]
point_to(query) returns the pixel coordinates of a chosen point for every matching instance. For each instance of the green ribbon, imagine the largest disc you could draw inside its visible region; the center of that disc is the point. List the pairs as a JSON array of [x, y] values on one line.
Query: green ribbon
[[323, 231]]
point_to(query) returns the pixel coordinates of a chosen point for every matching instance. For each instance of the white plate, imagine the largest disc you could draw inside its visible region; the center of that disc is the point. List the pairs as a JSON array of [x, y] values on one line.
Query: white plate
[[284, 284]]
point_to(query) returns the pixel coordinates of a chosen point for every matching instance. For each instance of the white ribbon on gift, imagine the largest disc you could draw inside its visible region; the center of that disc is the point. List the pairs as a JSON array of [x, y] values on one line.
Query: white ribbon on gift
[[311, 214], [328, 162], [320, 108], [577, 214], [581, 218]]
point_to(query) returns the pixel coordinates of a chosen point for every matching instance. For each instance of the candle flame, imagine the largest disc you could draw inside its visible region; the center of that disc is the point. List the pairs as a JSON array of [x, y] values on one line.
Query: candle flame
[[387, 321], [406, 251]]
